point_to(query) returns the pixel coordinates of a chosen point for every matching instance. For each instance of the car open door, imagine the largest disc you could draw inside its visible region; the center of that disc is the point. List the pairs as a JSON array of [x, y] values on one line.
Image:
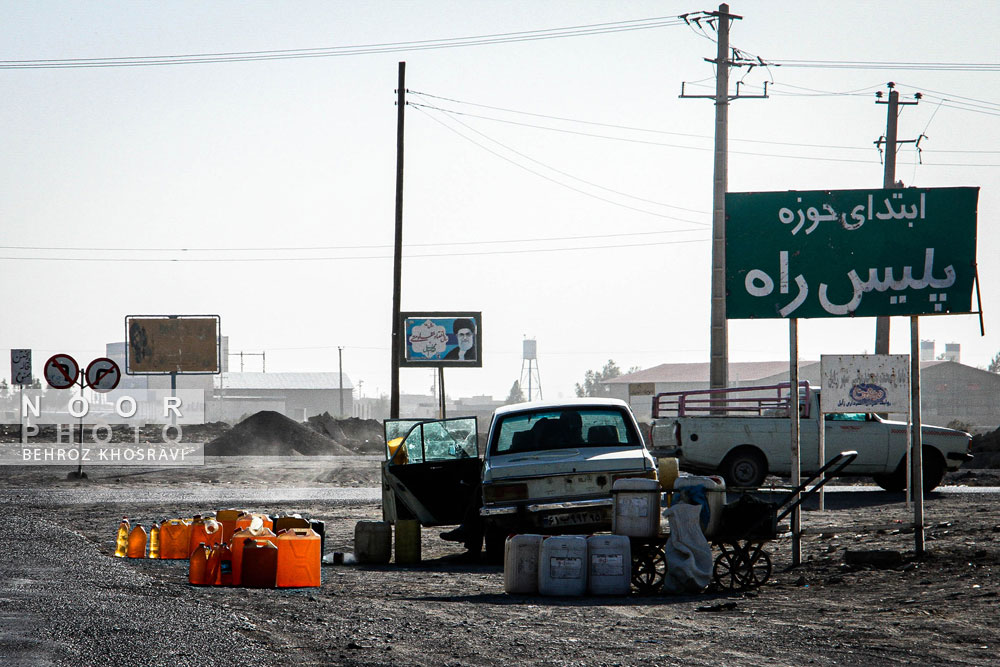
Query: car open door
[[431, 470]]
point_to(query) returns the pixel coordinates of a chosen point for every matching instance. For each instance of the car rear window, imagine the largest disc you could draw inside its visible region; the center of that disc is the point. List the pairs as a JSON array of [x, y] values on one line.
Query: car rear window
[[562, 428]]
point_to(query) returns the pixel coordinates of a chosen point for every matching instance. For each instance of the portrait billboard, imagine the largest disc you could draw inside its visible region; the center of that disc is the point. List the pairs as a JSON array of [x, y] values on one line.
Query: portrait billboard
[[850, 253], [442, 339]]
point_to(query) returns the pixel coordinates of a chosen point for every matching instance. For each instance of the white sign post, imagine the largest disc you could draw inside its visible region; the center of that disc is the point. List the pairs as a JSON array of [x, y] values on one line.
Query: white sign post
[[863, 383], [20, 375]]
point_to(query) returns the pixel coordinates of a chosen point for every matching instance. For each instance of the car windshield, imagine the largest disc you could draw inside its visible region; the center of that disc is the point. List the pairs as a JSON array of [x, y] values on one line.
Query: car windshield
[[418, 441], [563, 428]]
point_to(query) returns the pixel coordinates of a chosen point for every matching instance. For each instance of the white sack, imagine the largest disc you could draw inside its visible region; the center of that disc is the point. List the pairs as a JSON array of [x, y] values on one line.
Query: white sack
[[687, 552]]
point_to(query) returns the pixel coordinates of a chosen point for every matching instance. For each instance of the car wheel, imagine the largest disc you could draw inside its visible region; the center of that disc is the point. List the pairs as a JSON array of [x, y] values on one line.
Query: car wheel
[[744, 467]]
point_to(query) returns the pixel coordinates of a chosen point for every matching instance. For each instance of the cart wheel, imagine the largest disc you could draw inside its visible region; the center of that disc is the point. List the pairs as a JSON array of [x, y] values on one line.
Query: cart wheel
[[742, 566], [757, 567], [727, 566], [649, 567]]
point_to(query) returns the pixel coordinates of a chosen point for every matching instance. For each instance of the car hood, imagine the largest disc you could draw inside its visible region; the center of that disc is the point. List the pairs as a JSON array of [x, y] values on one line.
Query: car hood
[[567, 461]]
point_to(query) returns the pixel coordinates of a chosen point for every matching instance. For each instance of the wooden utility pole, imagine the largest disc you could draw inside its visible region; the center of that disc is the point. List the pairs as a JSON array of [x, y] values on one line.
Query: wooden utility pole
[[888, 182], [719, 331], [397, 257]]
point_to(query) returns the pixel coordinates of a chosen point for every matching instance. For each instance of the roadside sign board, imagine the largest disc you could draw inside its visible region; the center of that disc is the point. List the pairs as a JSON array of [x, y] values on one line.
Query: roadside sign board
[[865, 383], [850, 253], [61, 371], [20, 367], [103, 375], [442, 339], [159, 345]]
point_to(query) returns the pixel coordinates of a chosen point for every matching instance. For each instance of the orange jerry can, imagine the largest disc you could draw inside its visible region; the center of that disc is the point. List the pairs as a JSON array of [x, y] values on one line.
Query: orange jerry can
[[175, 539], [241, 537], [260, 564], [286, 521], [198, 566], [298, 558], [137, 542], [228, 520], [225, 560], [208, 531], [244, 521]]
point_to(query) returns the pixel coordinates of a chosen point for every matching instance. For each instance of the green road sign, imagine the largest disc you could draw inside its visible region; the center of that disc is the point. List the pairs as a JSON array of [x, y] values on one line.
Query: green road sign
[[850, 253]]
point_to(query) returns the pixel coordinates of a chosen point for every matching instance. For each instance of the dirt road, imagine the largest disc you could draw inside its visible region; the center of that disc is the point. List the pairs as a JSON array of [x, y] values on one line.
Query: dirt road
[[67, 601]]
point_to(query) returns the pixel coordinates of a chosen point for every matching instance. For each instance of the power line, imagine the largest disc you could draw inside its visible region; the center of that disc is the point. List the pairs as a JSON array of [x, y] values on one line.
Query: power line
[[566, 174], [888, 65], [549, 178], [332, 259], [345, 247], [630, 128], [341, 51]]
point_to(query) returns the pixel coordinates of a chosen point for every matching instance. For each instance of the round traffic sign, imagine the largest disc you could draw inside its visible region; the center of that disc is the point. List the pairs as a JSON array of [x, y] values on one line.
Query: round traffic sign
[[61, 371], [103, 374]]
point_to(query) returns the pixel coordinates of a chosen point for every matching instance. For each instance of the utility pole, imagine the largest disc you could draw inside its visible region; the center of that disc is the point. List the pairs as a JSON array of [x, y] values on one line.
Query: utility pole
[[719, 333], [340, 365], [397, 256], [888, 182]]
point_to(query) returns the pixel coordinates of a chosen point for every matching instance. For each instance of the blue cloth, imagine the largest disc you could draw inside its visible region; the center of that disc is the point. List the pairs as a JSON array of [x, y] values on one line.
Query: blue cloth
[[695, 495]]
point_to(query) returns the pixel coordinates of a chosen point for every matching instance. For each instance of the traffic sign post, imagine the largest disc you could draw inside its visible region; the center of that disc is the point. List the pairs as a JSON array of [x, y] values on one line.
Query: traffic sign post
[[103, 375], [20, 375], [61, 371]]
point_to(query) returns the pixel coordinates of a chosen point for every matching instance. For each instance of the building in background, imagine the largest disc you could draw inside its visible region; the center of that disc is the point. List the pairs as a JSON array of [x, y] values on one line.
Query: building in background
[[295, 395]]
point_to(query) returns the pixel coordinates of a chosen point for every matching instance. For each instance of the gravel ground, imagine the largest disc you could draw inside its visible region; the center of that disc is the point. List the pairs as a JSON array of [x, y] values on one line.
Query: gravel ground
[[68, 601]]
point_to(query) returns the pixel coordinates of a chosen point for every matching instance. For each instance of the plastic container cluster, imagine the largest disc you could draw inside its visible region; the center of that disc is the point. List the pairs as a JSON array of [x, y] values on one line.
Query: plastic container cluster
[[373, 542], [567, 565], [234, 548]]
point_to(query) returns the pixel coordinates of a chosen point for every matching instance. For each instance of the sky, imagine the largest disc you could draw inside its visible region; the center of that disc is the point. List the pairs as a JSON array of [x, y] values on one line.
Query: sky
[[558, 184]]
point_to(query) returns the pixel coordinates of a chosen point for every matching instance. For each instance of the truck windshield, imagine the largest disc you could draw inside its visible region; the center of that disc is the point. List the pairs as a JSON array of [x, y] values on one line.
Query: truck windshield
[[562, 428]]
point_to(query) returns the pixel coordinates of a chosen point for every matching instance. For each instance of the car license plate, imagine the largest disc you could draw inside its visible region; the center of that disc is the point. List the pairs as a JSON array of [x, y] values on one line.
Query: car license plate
[[575, 518]]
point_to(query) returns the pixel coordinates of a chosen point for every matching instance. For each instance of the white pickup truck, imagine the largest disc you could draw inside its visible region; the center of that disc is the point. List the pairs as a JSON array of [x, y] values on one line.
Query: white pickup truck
[[744, 434]]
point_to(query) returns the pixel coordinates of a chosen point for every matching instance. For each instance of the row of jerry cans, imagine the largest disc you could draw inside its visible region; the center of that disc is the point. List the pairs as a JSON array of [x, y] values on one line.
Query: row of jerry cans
[[567, 565], [288, 559], [177, 538]]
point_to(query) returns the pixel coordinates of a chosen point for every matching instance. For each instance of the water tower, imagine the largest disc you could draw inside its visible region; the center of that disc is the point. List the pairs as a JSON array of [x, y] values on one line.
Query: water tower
[[530, 378]]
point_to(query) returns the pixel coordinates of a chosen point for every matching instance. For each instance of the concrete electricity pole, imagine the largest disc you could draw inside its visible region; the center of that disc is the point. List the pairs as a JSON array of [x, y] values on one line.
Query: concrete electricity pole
[[719, 342], [888, 182], [397, 256]]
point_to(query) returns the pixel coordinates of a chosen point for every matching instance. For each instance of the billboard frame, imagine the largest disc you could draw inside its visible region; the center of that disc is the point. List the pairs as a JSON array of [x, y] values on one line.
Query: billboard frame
[[405, 316], [218, 344]]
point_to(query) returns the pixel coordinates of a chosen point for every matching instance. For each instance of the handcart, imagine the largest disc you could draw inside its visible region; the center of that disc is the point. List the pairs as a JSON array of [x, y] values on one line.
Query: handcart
[[746, 525]]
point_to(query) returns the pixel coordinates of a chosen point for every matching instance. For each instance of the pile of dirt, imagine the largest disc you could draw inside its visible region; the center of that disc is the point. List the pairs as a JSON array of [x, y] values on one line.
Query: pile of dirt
[[986, 450], [362, 436], [269, 433]]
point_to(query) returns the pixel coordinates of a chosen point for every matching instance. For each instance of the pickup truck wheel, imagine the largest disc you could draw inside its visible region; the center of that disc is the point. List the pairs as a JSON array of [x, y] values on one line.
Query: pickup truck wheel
[[744, 467], [934, 470], [893, 482]]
